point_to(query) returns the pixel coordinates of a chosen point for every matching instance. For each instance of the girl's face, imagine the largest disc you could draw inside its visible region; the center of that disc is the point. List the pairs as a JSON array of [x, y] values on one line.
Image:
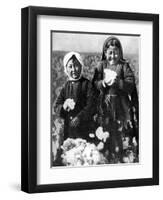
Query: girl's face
[[112, 55], [74, 68]]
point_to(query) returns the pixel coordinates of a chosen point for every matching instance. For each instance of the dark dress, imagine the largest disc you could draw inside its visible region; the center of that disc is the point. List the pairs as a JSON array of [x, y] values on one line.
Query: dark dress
[[81, 92], [117, 105]]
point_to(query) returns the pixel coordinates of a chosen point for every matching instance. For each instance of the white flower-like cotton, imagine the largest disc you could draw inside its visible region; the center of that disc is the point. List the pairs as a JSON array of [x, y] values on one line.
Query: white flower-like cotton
[[100, 146], [77, 152], [91, 135], [134, 142], [101, 135], [126, 143], [69, 104], [126, 159], [105, 136], [109, 76]]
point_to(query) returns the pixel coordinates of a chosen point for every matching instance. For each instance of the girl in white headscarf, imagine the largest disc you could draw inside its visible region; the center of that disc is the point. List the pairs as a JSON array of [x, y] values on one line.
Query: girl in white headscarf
[[75, 98]]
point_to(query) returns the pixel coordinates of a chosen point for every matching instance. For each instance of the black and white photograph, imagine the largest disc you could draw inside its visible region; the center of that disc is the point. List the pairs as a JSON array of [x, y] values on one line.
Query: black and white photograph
[[94, 99]]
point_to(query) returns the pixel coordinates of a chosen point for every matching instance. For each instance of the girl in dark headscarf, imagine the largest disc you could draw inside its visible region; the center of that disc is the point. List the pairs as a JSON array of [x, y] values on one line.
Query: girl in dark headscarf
[[117, 104]]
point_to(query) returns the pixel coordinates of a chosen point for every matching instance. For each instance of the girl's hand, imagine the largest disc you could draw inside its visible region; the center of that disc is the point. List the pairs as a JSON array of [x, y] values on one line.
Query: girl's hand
[[75, 122], [113, 81], [110, 82], [65, 105]]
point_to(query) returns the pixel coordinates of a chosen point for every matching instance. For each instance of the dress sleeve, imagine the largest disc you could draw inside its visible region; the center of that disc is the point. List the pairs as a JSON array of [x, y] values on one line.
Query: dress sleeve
[[97, 80], [58, 105], [127, 83]]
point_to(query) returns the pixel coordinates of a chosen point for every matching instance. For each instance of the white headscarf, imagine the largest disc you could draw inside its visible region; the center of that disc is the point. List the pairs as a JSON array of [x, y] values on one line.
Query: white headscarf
[[67, 57]]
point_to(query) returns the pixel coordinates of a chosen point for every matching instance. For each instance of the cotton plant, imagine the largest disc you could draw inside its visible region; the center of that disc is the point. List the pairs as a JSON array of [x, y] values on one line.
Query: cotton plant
[[57, 136], [102, 137], [79, 152], [57, 127], [126, 143], [130, 146], [129, 157]]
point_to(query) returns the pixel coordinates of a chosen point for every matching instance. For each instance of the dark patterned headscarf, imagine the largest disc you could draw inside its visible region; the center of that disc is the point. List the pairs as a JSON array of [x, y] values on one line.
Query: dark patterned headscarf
[[112, 41]]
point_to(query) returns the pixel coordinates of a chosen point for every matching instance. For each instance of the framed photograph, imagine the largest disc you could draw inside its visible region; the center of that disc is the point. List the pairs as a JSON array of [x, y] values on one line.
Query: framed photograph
[[90, 99]]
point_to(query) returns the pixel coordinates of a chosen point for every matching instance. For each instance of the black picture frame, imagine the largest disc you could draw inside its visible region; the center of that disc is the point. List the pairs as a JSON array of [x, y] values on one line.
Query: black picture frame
[[29, 98]]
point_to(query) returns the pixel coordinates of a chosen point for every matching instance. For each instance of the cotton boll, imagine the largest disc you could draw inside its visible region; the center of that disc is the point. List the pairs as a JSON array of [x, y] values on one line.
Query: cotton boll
[[131, 157], [87, 152], [77, 152], [96, 157], [105, 136], [86, 164], [81, 148], [100, 146], [91, 135], [109, 75], [78, 163], [99, 133], [116, 149], [126, 143], [69, 157], [134, 142], [71, 104], [126, 159]]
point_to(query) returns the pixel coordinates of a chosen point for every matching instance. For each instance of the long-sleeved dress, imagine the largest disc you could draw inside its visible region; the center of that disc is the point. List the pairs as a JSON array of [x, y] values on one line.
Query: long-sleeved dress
[[117, 104], [81, 92]]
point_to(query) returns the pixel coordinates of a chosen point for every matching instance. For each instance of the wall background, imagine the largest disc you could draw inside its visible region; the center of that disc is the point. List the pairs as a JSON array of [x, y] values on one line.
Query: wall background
[[10, 87]]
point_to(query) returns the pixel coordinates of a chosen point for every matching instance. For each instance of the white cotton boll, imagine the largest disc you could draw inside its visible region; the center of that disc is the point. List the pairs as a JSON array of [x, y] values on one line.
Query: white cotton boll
[[91, 135], [81, 148], [105, 136], [126, 142], [99, 133], [87, 153], [100, 146], [68, 144], [77, 152], [99, 130], [71, 104], [131, 157], [69, 157], [80, 141], [126, 159], [92, 146], [116, 149], [79, 163], [134, 142], [109, 75], [96, 157], [86, 164]]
